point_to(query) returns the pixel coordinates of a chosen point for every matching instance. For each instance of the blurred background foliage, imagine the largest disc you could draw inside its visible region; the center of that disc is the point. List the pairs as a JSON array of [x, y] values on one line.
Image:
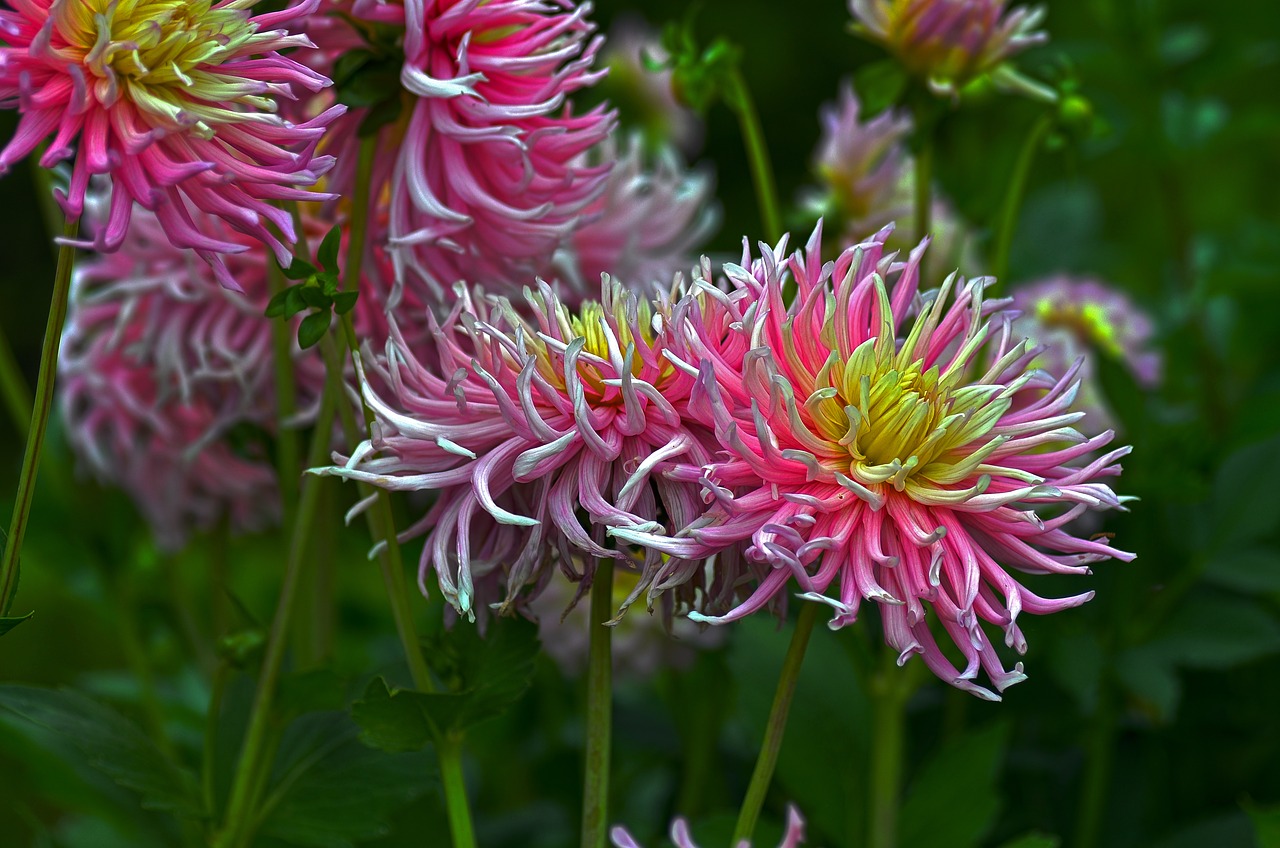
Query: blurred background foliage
[[1150, 715]]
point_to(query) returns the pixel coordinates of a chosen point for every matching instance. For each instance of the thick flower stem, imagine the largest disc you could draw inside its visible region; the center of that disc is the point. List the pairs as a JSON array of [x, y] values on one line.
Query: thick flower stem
[[767, 760], [739, 100], [595, 787], [39, 417], [1097, 776], [889, 693], [244, 789], [1013, 196], [286, 405]]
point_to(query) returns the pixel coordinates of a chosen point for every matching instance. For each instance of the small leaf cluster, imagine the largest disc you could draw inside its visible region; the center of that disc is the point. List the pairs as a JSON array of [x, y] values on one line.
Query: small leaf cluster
[[369, 78], [319, 292], [699, 76]]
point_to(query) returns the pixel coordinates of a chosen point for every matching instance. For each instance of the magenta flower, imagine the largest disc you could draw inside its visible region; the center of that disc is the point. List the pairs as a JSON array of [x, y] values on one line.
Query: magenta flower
[[890, 445], [948, 42], [525, 426], [793, 838], [646, 226], [489, 177], [1082, 319], [175, 101]]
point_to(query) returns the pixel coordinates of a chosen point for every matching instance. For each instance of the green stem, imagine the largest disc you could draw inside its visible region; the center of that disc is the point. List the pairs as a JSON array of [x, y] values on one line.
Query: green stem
[[207, 772], [1097, 777], [39, 418], [739, 100], [889, 693], [449, 751], [924, 194], [17, 394], [286, 405], [244, 793], [595, 787], [767, 760], [1013, 196]]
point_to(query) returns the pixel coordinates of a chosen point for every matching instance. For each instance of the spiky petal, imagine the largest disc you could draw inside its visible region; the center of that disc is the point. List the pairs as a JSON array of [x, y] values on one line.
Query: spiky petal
[[682, 838]]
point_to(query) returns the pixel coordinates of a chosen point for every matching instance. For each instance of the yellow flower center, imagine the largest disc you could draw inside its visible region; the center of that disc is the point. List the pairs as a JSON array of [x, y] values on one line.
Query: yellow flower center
[[163, 55], [1087, 321]]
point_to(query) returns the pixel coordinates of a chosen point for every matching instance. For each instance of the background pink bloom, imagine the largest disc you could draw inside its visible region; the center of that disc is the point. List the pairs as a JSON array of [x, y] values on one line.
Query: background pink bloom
[[647, 225], [793, 838], [527, 425], [647, 95], [175, 102], [872, 455]]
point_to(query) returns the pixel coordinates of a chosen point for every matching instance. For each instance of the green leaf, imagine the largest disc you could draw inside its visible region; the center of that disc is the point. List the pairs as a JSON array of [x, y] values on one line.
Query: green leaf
[[1252, 570], [111, 743], [276, 305], [1245, 508], [328, 253], [379, 115], [9, 622], [299, 269], [958, 787], [1266, 824], [344, 302], [487, 676], [313, 328], [313, 297], [349, 64], [294, 301], [879, 85], [328, 790]]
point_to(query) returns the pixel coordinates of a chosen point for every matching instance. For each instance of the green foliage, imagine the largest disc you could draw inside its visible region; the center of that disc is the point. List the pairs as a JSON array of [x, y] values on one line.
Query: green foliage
[[319, 291], [9, 622], [485, 677], [954, 800], [108, 741]]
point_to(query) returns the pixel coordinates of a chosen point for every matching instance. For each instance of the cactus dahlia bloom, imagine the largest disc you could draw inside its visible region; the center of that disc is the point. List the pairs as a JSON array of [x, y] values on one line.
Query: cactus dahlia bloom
[[1081, 319], [948, 42], [175, 101], [874, 454], [526, 426], [489, 177], [680, 836], [647, 224]]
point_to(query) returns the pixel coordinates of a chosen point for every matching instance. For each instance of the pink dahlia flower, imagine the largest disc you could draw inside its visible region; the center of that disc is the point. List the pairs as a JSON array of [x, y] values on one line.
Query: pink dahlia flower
[[1082, 319], [646, 226], [868, 181], [891, 445], [526, 426], [948, 42], [489, 176], [680, 836], [176, 102]]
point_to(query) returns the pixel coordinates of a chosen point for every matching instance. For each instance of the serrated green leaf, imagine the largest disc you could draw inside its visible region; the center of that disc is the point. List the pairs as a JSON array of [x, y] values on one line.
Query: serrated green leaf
[[313, 328], [389, 723], [276, 305], [879, 85], [328, 790], [328, 253], [344, 302], [313, 297], [958, 786], [1244, 507], [9, 622], [110, 743], [299, 269]]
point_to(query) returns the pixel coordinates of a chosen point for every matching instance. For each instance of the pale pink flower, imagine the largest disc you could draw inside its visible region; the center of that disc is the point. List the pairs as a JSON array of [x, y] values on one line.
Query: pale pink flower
[[891, 445], [1081, 318], [175, 101], [526, 427], [948, 42], [488, 178], [647, 225], [680, 835]]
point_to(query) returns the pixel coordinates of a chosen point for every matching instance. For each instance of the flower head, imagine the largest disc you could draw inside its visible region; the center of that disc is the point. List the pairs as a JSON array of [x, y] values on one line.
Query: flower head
[[948, 42], [527, 424], [489, 178], [1083, 319], [176, 102], [793, 838], [647, 224], [890, 445]]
